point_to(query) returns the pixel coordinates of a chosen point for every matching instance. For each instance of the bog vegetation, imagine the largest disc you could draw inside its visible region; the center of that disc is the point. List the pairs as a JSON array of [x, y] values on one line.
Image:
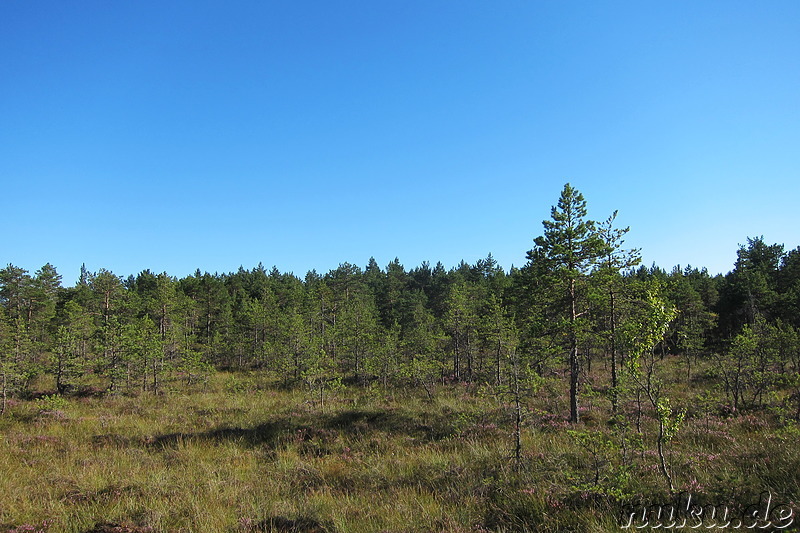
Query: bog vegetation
[[544, 398]]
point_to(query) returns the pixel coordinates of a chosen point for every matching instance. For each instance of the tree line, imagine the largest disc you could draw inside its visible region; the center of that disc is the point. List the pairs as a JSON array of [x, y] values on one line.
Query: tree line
[[582, 307]]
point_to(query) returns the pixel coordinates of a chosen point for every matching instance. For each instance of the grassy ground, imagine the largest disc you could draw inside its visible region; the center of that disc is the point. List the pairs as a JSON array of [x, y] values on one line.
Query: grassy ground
[[240, 455]]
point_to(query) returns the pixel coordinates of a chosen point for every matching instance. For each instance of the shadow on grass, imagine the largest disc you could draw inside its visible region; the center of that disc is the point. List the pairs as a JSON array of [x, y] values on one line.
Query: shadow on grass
[[280, 524], [427, 426], [322, 427], [267, 434]]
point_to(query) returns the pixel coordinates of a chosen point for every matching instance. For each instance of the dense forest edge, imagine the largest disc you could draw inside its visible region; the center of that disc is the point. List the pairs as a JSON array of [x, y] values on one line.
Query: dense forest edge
[[636, 367]]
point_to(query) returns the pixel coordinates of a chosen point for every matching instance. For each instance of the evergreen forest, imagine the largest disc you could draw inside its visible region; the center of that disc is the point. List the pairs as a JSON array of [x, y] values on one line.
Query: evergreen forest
[[553, 394]]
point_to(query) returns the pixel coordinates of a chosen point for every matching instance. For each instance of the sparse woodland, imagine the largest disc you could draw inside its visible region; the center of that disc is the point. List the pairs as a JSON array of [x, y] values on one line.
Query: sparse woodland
[[543, 398]]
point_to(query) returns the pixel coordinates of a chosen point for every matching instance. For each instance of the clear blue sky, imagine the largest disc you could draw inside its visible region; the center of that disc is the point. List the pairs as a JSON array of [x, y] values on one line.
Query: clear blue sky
[[180, 135]]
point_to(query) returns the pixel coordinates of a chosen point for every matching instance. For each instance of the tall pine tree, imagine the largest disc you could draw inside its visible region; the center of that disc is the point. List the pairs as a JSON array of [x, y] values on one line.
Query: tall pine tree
[[570, 247]]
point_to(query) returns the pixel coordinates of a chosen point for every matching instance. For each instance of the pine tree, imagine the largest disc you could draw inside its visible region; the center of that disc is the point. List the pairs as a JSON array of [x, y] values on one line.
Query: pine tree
[[570, 247]]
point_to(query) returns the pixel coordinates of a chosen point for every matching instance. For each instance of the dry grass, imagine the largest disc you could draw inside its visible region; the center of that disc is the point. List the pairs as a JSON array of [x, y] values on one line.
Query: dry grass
[[242, 456]]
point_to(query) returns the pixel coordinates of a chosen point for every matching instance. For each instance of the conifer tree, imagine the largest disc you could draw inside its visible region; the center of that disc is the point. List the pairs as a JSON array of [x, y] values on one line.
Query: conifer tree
[[570, 247]]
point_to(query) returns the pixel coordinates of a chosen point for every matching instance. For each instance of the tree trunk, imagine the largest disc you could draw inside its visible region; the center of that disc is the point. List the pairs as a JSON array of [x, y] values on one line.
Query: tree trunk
[[614, 378], [499, 356], [456, 358], [5, 394], [574, 367], [517, 416], [662, 460]]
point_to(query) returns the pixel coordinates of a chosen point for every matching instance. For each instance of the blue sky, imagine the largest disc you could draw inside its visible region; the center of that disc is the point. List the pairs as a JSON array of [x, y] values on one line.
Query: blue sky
[[180, 135]]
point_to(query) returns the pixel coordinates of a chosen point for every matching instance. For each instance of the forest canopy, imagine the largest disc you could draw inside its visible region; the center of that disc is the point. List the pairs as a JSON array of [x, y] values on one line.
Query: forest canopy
[[581, 297]]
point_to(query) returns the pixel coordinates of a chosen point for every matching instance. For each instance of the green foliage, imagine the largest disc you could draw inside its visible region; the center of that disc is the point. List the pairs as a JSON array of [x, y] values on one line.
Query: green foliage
[[51, 402], [669, 418], [643, 331], [755, 361], [320, 377], [194, 366], [570, 244], [647, 324], [609, 475], [423, 372]]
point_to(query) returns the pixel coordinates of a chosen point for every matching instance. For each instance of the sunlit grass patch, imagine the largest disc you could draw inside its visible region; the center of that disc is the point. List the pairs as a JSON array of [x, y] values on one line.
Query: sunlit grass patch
[[260, 458]]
